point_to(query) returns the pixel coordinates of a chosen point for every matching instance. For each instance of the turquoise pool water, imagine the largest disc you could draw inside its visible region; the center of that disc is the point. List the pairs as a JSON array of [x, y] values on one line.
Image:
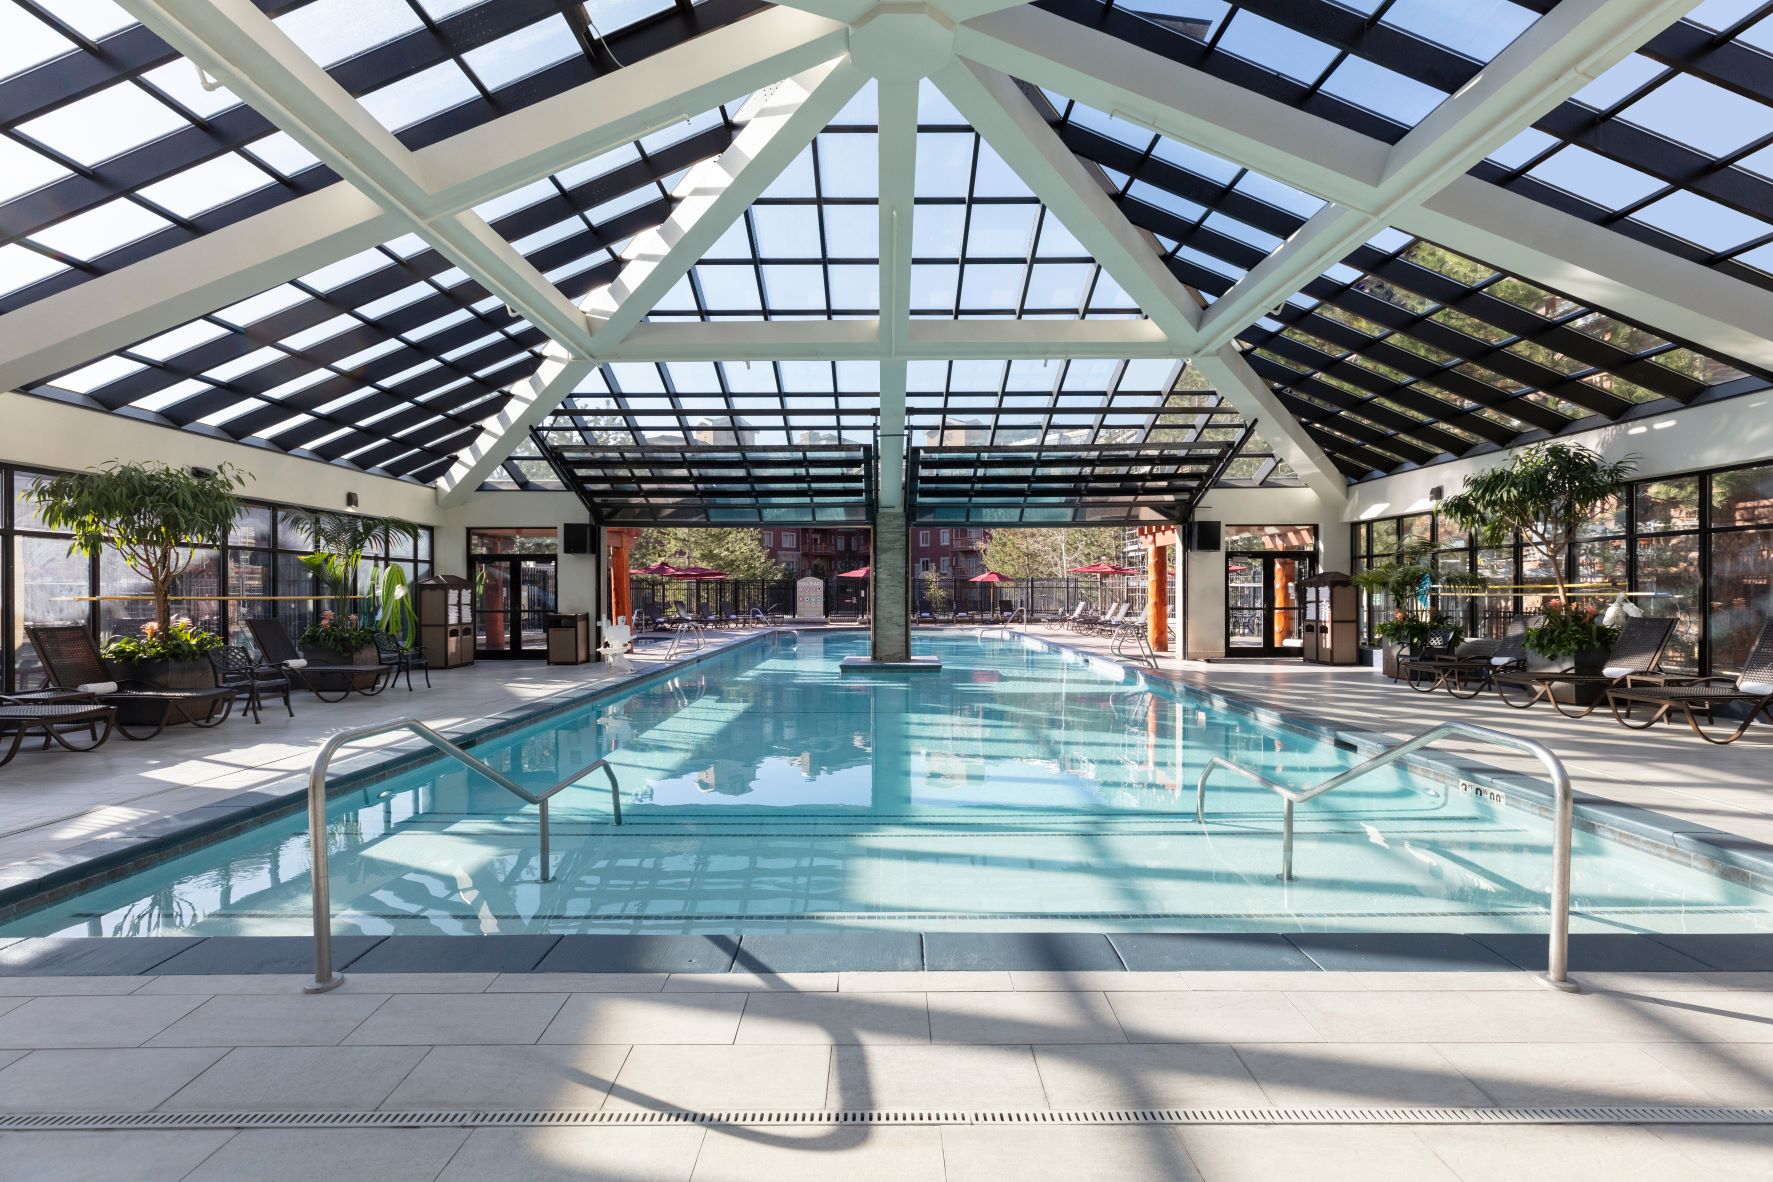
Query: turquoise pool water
[[1020, 787]]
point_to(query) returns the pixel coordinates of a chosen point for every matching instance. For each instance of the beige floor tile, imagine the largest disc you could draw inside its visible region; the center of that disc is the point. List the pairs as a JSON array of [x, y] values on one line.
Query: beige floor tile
[[1731, 1073], [1246, 1153], [1246, 981], [814, 1154], [290, 984], [1022, 1018], [1653, 984], [1445, 982], [648, 1018], [751, 983], [700, 1078], [423, 1019], [106, 1157], [70, 986], [578, 983], [1145, 1075], [1568, 1153], [286, 984], [1720, 1153], [250, 1020], [576, 1155], [938, 981], [133, 1080], [835, 1018], [949, 1077], [298, 1079], [1358, 1075], [1214, 1016], [1494, 1016], [1758, 981], [335, 1155], [417, 982], [1531, 1074], [1084, 1153], [526, 1075], [91, 1021]]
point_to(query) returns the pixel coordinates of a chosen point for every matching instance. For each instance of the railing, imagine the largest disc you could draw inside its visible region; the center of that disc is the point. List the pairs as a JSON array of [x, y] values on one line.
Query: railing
[[1004, 625], [1563, 818], [324, 977]]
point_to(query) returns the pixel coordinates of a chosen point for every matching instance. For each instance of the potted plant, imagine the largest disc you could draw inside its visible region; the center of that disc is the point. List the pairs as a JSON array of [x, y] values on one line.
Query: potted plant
[[1572, 633], [1406, 578], [339, 640], [341, 541], [155, 517]]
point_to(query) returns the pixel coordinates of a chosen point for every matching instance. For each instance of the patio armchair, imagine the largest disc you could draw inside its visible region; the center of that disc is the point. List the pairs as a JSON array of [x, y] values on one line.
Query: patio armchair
[[1467, 672], [74, 666], [19, 716], [1636, 653], [1696, 696], [235, 669], [402, 659], [280, 652]]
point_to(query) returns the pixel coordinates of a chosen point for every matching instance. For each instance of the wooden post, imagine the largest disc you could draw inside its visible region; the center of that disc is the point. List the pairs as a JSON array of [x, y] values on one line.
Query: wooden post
[[1157, 595], [619, 604]]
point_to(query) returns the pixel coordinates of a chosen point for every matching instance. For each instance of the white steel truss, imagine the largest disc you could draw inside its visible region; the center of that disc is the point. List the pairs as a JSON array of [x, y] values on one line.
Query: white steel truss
[[801, 63]]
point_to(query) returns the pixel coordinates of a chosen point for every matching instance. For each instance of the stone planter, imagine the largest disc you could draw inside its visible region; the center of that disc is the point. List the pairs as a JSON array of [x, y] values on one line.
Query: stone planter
[[1388, 659], [171, 675], [366, 656]]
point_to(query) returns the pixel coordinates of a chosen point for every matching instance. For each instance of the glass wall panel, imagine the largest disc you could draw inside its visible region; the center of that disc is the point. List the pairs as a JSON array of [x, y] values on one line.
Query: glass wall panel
[[1669, 566], [48, 583], [1668, 506], [1741, 595], [1742, 496]]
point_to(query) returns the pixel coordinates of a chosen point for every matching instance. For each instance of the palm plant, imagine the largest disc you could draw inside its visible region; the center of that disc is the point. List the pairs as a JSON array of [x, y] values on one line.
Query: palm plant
[[341, 541]]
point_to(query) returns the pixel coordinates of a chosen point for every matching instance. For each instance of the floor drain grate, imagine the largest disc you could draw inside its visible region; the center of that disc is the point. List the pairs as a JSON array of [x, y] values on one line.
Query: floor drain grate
[[458, 1118]]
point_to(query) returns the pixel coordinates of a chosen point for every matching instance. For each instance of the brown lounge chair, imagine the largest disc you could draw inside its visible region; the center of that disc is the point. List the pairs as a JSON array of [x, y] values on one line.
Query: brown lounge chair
[[1753, 688], [20, 716], [1636, 653], [1467, 673], [72, 661], [279, 651]]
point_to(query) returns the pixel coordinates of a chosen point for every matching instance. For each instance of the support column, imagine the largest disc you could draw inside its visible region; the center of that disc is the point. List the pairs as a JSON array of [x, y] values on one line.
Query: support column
[[620, 605], [1157, 596], [889, 586]]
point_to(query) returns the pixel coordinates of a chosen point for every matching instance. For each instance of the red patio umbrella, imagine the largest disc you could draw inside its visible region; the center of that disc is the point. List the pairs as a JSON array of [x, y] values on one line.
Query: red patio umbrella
[[658, 568], [991, 576], [860, 572], [1101, 570]]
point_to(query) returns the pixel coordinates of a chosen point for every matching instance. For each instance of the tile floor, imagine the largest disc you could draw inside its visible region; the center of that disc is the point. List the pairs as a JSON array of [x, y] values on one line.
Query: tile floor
[[946, 1041]]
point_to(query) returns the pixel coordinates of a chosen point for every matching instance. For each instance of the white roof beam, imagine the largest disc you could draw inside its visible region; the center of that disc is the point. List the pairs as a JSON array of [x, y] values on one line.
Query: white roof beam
[[238, 44], [862, 340], [1599, 267], [776, 125], [896, 99], [999, 111], [1256, 400], [531, 401], [1186, 105], [1558, 55]]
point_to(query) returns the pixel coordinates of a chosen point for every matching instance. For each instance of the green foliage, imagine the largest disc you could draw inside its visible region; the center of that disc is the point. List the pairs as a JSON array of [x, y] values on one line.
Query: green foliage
[[391, 596], [1406, 628], [1026, 554], [179, 641], [1546, 493], [937, 592], [738, 552], [344, 635], [152, 515], [1566, 628], [341, 541]]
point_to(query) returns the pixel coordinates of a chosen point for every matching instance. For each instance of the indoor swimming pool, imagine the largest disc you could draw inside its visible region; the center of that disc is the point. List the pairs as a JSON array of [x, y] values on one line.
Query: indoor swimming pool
[[1021, 786]]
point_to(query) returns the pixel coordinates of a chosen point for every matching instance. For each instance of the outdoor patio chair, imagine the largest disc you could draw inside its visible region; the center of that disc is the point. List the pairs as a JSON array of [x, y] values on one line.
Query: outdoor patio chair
[[320, 680], [1637, 652], [73, 663], [236, 670], [1694, 696], [1467, 672], [402, 659], [19, 716]]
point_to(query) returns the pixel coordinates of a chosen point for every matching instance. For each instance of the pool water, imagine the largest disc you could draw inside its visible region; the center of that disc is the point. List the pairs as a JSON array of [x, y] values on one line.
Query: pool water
[[1021, 786]]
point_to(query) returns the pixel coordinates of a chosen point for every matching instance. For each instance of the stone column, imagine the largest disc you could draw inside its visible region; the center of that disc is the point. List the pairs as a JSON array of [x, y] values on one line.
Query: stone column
[[889, 586], [1157, 597]]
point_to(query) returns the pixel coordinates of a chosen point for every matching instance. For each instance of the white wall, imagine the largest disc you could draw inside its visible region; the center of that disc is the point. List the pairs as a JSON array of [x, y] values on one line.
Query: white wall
[[1731, 431], [578, 573]]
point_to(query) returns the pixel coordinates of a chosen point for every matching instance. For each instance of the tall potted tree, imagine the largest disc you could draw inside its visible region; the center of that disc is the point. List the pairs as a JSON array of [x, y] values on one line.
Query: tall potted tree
[[1546, 493], [155, 517], [1402, 578]]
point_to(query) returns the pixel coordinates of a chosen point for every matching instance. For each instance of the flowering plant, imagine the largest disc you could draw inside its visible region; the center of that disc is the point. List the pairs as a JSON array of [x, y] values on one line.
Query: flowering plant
[[1567, 627], [343, 636], [1404, 628], [180, 640]]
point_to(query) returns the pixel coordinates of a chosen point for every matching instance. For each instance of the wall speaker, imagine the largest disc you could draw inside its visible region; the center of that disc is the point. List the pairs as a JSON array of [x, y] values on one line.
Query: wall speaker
[[575, 537], [1204, 535]]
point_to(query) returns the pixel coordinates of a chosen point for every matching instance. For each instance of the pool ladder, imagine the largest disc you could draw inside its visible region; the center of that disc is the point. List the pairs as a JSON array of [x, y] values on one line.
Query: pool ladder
[[320, 877], [1557, 973]]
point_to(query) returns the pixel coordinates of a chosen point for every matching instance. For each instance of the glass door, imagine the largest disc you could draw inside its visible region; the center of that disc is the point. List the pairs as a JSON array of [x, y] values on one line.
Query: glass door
[[514, 581], [1265, 604]]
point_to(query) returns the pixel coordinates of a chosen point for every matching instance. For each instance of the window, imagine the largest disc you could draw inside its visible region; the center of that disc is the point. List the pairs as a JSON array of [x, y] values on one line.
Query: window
[[790, 539], [923, 537], [943, 537], [769, 538], [944, 564]]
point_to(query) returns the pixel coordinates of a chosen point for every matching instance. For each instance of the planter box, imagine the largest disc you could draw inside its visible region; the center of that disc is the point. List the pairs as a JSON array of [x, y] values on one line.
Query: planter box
[[1388, 659], [173, 675], [367, 656]]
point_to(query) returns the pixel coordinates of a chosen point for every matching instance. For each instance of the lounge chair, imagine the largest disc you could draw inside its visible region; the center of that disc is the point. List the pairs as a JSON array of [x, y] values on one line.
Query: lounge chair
[[74, 665], [1637, 652], [1467, 673], [20, 716], [236, 670], [1752, 688], [320, 680], [1438, 646], [401, 658]]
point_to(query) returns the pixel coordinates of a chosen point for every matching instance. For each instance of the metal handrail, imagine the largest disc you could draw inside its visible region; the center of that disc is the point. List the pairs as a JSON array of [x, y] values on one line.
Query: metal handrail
[[1557, 972], [320, 877], [1004, 625]]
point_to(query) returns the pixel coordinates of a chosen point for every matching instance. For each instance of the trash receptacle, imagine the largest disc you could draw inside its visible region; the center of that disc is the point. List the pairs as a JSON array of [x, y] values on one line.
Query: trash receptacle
[[569, 638]]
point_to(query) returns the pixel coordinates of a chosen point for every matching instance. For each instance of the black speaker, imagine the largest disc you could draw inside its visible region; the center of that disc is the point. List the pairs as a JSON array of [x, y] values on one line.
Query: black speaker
[[575, 537], [1204, 535]]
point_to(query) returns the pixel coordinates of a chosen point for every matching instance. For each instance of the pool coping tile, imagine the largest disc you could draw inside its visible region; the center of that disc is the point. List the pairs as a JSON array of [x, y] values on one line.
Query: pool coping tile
[[454, 954], [1210, 951], [1025, 951], [1399, 952], [640, 954]]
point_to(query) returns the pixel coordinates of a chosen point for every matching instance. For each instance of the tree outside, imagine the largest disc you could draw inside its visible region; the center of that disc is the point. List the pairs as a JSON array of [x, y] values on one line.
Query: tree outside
[[738, 552], [1025, 554]]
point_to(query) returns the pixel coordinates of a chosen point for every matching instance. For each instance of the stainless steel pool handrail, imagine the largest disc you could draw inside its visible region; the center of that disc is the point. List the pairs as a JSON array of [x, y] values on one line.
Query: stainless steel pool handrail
[[1557, 972], [319, 874]]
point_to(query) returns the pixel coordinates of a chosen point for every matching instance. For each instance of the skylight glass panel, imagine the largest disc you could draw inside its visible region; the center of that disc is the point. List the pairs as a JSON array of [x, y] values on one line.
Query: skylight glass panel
[[178, 81], [853, 231], [264, 304], [1689, 110], [994, 178], [102, 125], [1275, 193], [937, 231], [520, 54], [179, 340], [1526, 146], [1001, 230], [419, 96], [1383, 91], [610, 15], [1619, 82], [26, 41], [93, 19], [329, 31], [283, 154], [855, 287], [944, 163], [207, 185], [783, 232], [91, 234], [848, 165], [1479, 31], [1276, 47], [100, 373], [730, 289], [22, 170], [1705, 223], [337, 274], [1597, 178]]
